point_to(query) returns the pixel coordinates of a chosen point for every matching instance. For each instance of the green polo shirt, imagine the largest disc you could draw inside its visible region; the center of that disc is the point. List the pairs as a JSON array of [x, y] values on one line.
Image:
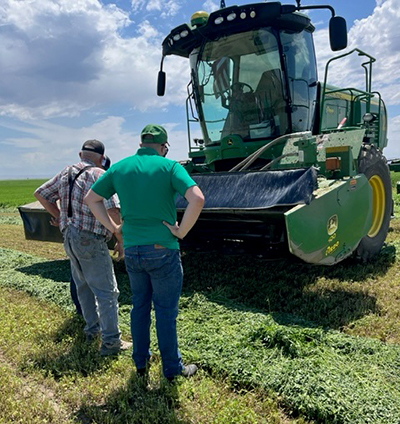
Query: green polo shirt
[[147, 185]]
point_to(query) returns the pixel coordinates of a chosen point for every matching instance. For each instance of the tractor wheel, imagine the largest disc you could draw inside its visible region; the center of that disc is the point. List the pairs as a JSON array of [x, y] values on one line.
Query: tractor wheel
[[373, 164]]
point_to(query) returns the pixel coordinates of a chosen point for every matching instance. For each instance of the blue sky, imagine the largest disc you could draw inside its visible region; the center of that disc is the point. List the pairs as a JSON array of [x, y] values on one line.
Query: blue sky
[[71, 70]]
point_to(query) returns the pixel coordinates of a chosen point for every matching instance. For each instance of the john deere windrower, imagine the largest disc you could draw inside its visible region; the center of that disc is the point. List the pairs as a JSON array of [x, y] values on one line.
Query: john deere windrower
[[286, 161]]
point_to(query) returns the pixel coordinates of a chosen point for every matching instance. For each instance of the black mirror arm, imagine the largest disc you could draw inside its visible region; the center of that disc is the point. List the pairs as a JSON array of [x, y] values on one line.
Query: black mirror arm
[[162, 63], [322, 6]]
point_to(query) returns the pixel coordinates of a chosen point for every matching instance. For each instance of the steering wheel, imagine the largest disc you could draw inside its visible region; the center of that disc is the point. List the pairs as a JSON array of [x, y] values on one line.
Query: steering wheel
[[241, 86]]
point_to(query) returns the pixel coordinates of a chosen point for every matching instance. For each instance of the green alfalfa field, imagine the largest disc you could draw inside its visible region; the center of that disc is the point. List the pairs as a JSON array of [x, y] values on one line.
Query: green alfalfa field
[[275, 341]]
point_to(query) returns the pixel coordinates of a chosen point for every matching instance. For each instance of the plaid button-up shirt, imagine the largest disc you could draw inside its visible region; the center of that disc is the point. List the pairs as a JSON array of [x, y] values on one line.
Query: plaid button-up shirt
[[58, 189]]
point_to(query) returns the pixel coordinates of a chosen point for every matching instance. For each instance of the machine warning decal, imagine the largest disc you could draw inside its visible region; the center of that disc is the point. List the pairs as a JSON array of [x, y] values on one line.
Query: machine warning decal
[[353, 184], [333, 223]]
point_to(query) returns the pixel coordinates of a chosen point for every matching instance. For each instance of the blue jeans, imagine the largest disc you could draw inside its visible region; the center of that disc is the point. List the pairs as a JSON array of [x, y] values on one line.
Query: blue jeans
[[74, 296], [155, 275], [93, 273]]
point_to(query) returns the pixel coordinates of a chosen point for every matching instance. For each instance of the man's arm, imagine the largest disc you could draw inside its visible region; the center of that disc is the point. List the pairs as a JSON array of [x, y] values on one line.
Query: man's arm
[[51, 207], [195, 198], [96, 205], [115, 215], [111, 219]]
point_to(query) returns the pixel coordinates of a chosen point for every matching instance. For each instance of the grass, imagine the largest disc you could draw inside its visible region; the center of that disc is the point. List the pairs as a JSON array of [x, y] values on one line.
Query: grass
[[319, 373], [70, 382], [14, 193], [277, 342]]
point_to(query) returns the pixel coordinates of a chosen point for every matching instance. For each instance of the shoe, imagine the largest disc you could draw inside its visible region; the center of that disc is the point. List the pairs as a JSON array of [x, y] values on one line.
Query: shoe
[[115, 349], [188, 371], [141, 372]]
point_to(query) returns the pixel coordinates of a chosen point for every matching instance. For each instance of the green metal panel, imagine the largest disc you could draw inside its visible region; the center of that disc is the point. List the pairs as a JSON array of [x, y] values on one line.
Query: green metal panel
[[331, 226], [352, 138], [347, 163]]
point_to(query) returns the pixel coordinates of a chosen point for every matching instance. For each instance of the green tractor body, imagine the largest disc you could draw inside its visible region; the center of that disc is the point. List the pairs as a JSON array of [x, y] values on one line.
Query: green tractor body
[[286, 162]]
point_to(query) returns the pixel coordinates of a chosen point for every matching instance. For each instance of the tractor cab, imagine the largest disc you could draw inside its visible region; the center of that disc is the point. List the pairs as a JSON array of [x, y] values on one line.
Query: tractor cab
[[246, 87], [253, 78]]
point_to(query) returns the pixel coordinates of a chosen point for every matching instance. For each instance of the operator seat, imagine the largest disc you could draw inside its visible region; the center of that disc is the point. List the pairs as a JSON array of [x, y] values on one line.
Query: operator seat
[[270, 98]]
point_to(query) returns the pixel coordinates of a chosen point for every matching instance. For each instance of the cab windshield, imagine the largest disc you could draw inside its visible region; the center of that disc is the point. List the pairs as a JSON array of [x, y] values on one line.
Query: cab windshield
[[241, 88]]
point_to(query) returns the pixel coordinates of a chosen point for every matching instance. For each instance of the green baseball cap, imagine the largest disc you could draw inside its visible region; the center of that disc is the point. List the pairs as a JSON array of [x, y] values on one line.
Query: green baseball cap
[[153, 133]]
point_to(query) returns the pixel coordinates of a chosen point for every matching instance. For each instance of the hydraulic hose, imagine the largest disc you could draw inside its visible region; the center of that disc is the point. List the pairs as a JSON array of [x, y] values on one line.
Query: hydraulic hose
[[242, 166]]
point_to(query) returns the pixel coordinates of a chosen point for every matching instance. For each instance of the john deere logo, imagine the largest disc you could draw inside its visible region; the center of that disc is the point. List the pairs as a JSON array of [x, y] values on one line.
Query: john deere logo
[[230, 142], [333, 223]]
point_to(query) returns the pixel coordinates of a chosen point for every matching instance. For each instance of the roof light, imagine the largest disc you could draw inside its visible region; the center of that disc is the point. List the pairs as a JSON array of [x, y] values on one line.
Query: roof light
[[184, 33], [231, 17], [243, 15], [219, 20], [177, 37], [199, 18], [252, 14]]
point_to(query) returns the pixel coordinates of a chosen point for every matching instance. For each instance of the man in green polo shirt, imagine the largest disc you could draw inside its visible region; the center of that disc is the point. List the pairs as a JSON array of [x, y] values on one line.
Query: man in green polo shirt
[[147, 185]]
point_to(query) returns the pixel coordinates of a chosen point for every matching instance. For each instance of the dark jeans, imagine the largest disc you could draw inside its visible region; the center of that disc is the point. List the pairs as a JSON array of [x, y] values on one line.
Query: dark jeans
[[156, 276]]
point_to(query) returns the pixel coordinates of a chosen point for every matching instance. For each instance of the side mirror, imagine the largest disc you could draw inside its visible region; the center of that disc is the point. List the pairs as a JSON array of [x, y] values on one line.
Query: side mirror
[[338, 33], [161, 83]]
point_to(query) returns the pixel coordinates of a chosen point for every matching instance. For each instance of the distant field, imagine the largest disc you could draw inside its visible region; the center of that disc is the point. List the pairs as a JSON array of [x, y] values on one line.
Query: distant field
[[14, 193]]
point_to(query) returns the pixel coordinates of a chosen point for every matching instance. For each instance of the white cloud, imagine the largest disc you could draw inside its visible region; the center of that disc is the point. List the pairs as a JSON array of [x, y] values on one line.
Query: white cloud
[[27, 142], [44, 148], [393, 149], [210, 6], [154, 5], [147, 31], [171, 9], [61, 57], [37, 149], [377, 35], [137, 4], [167, 8]]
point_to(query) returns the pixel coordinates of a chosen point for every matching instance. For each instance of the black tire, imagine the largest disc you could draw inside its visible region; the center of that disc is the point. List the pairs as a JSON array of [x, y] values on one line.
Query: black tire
[[373, 164]]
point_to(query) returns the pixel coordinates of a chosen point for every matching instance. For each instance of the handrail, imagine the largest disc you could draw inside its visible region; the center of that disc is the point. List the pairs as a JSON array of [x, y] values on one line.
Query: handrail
[[368, 78], [351, 89]]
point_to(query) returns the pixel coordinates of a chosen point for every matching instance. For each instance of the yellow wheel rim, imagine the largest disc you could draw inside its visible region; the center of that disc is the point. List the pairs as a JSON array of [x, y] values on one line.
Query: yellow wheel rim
[[378, 204]]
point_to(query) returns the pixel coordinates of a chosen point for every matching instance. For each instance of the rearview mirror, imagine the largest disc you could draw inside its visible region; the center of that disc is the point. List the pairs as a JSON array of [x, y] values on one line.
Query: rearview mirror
[[338, 33], [161, 83]]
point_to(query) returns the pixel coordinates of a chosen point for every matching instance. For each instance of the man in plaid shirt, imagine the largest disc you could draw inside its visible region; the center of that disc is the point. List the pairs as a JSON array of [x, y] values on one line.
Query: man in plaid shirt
[[85, 242]]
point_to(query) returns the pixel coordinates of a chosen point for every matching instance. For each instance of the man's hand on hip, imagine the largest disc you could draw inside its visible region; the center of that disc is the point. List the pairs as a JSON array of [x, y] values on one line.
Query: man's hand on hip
[[174, 229]]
